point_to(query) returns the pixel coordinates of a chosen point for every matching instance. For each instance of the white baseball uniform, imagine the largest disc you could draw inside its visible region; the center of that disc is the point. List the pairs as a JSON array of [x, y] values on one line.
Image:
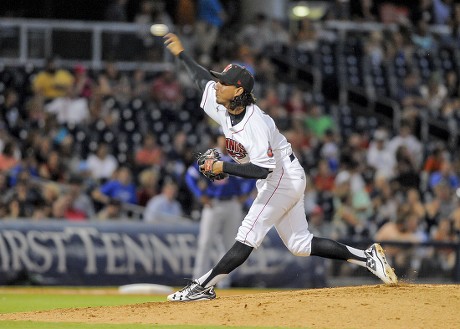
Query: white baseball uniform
[[280, 198]]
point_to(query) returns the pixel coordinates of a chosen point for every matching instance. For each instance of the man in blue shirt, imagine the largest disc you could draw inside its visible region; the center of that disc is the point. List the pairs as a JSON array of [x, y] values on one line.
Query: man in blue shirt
[[120, 188], [222, 211]]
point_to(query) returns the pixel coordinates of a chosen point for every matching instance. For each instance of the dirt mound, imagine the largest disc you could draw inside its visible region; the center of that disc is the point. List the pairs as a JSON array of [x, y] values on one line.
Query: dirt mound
[[380, 306]]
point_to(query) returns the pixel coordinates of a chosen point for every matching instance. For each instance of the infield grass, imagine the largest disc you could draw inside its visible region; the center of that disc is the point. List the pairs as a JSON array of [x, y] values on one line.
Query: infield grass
[[40, 299]]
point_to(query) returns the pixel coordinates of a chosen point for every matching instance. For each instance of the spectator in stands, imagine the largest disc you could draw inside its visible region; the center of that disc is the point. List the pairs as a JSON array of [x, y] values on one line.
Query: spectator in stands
[[454, 37], [42, 146], [50, 192], [164, 206], [139, 86], [409, 94], [329, 150], [318, 122], [246, 57], [166, 90], [28, 164], [53, 169], [11, 112], [148, 181], [434, 94], [15, 210], [405, 229], [442, 11], [279, 34], [84, 84], [445, 174], [112, 210], [53, 81], [150, 154], [256, 34], [444, 232], [406, 171], [102, 164], [379, 157], [452, 84], [296, 104], [434, 159], [440, 206], [210, 18], [412, 204], [69, 109], [306, 37], [63, 209], [324, 179], [384, 203], [408, 139], [25, 197], [108, 81], [120, 187], [80, 200], [374, 48], [175, 165], [7, 158], [353, 208], [423, 38]]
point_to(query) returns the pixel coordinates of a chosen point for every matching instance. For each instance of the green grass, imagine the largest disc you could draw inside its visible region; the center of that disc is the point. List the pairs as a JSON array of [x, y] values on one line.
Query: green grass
[[31, 302], [12, 301]]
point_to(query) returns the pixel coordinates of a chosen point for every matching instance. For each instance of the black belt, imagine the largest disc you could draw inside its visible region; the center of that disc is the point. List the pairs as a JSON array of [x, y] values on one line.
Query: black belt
[[292, 157]]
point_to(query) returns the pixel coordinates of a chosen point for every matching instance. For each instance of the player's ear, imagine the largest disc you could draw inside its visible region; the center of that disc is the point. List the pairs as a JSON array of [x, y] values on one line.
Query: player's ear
[[239, 91]]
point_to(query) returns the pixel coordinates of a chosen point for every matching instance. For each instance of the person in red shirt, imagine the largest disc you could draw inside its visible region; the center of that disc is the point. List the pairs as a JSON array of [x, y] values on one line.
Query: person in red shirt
[[150, 154], [324, 179], [167, 90]]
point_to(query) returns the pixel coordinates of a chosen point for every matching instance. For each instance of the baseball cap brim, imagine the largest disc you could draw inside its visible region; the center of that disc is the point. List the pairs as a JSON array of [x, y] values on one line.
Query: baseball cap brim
[[220, 76]]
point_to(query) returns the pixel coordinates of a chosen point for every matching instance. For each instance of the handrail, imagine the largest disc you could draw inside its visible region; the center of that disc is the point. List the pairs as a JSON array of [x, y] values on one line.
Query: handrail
[[21, 54]]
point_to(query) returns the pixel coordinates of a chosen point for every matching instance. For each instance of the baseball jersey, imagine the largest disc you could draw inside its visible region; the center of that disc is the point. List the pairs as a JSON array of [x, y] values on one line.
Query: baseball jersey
[[254, 139]]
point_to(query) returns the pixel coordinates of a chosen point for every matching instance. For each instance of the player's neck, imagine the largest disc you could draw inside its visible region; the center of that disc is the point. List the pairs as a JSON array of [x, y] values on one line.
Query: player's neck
[[236, 111], [237, 115]]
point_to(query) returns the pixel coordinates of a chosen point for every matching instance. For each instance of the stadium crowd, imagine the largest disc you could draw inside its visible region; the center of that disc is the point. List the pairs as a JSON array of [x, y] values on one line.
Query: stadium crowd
[[78, 144]]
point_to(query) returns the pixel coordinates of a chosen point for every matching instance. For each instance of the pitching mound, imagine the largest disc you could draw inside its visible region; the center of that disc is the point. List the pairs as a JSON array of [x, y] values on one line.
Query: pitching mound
[[401, 306]]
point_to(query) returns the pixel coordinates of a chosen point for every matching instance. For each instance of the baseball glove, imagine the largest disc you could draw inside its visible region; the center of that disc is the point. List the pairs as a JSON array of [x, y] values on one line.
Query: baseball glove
[[205, 162]]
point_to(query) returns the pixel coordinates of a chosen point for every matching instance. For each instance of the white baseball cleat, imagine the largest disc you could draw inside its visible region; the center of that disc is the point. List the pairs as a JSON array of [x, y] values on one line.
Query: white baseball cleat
[[377, 264], [191, 292]]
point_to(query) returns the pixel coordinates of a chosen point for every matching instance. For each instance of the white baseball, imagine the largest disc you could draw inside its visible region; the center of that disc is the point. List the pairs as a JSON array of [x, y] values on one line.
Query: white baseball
[[159, 30]]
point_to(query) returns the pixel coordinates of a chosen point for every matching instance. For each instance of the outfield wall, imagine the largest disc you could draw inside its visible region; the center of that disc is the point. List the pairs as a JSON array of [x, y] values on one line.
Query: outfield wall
[[116, 253]]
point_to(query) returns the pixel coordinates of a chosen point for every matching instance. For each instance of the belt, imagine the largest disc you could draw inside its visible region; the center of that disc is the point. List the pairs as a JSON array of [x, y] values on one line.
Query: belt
[[292, 157]]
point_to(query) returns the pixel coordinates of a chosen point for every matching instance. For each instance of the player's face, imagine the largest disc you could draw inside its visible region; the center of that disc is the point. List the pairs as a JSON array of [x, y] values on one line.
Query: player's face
[[225, 93]]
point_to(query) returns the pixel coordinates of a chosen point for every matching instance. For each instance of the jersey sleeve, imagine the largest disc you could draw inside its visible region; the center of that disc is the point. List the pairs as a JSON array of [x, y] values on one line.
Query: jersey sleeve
[[208, 102]]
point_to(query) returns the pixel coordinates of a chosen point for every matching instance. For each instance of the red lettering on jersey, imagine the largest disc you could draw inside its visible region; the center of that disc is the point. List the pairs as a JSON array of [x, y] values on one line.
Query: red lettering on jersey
[[235, 150]]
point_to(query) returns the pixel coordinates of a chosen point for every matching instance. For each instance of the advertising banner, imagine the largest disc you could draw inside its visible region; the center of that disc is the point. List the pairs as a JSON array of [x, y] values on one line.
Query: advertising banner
[[123, 252]]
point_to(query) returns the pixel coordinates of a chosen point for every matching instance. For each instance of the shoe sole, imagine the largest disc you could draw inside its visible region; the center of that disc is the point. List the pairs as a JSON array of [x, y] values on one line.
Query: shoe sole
[[389, 272], [190, 300]]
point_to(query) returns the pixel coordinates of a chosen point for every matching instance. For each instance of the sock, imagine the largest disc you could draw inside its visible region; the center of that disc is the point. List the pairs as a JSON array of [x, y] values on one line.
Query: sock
[[335, 250], [236, 256]]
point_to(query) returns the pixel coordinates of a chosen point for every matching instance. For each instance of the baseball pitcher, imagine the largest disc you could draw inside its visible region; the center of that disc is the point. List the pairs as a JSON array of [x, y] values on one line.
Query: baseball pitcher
[[261, 152]]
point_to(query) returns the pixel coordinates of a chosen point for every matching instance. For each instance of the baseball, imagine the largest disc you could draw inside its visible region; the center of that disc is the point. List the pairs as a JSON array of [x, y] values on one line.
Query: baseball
[[159, 30]]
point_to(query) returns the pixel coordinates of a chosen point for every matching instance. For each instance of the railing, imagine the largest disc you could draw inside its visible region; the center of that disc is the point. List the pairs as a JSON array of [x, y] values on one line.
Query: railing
[[24, 41]]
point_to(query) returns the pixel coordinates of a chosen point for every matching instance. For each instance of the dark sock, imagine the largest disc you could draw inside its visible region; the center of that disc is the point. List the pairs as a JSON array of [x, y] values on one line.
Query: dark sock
[[236, 256], [331, 249]]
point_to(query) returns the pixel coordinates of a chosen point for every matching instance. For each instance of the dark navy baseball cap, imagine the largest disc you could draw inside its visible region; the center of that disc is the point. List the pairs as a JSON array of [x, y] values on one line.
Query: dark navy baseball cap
[[235, 75]]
